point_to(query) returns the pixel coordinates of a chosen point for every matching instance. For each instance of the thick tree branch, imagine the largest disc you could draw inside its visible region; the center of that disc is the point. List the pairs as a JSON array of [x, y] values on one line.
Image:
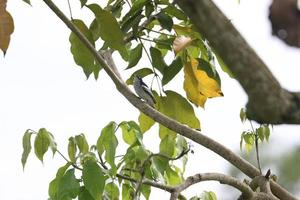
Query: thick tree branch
[[181, 129], [268, 102]]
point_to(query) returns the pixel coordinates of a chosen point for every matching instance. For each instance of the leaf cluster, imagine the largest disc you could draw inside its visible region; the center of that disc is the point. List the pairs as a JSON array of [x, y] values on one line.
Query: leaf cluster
[[97, 171]]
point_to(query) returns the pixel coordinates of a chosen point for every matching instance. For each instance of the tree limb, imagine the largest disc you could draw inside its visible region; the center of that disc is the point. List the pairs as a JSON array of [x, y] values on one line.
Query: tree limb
[[223, 179], [181, 129], [268, 102]]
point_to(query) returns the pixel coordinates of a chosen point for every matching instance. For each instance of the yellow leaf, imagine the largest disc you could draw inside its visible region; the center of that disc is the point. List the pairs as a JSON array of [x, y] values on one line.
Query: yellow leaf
[[6, 26], [198, 85], [182, 30], [180, 43]]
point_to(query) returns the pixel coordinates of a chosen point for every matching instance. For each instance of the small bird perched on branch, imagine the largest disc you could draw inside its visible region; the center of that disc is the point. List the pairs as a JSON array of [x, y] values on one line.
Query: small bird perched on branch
[[143, 91]]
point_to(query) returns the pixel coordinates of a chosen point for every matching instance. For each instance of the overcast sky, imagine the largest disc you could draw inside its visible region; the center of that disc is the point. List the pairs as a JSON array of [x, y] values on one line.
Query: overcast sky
[[41, 86]]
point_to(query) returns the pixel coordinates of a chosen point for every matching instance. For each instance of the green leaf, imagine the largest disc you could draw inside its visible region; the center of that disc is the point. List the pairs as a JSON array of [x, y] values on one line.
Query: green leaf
[[157, 59], [93, 179], [141, 154], [209, 196], [129, 156], [128, 134], [141, 73], [61, 171], [167, 146], [72, 149], [249, 138], [41, 143], [173, 177], [135, 56], [112, 191], [159, 164], [267, 132], [109, 28], [95, 30], [127, 192], [84, 194], [249, 141], [132, 22], [68, 187], [243, 115], [108, 142], [52, 190], [178, 108], [53, 144], [173, 11], [171, 71], [116, 8], [53, 186], [131, 132], [136, 7], [82, 144], [149, 8], [145, 122], [260, 133], [164, 43], [146, 190], [26, 147], [82, 55], [165, 21]]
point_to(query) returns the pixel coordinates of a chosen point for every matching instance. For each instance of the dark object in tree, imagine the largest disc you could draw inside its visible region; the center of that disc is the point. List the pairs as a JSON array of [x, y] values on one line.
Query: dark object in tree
[[285, 19]]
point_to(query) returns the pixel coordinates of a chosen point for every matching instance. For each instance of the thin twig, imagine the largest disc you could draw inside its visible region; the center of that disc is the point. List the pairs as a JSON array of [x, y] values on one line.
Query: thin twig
[[68, 161], [102, 163], [148, 182], [154, 41], [154, 31], [70, 10], [151, 62]]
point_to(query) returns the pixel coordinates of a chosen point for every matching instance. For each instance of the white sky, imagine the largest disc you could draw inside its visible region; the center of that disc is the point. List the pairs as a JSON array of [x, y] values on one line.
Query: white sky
[[41, 86]]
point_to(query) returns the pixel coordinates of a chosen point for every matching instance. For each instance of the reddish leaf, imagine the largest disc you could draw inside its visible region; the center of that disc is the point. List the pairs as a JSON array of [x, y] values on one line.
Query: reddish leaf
[[6, 26]]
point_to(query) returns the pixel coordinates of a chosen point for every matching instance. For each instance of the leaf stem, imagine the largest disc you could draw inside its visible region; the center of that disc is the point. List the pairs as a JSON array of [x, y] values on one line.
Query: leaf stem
[[150, 60], [256, 146], [70, 10], [154, 31], [155, 41]]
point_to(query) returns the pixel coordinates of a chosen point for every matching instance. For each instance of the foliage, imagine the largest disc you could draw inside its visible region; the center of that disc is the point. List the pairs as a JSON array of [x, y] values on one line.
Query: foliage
[[90, 175], [136, 29], [252, 136]]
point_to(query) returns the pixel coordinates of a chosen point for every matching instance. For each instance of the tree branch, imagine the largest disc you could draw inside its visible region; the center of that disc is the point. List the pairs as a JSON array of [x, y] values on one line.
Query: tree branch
[[223, 179], [181, 129], [268, 102]]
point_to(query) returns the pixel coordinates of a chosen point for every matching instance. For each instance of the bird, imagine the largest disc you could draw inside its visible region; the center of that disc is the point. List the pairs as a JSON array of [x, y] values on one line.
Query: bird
[[143, 91]]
